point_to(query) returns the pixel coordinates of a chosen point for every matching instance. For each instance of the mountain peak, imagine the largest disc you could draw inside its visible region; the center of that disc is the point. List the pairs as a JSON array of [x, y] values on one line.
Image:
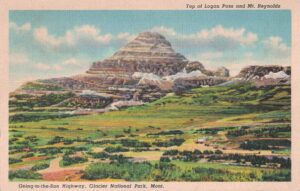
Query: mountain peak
[[149, 34], [147, 46], [149, 52]]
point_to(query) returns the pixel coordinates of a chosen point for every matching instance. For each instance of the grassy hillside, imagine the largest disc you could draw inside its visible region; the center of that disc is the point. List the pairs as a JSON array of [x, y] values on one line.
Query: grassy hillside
[[226, 117]]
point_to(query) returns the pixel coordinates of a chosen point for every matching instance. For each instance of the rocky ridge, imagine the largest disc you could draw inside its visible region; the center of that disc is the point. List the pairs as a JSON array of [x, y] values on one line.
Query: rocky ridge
[[258, 72]]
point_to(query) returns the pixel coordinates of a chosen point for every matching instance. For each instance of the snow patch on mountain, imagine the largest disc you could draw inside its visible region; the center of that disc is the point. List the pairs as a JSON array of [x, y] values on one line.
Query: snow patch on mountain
[[277, 75], [148, 76], [184, 74]]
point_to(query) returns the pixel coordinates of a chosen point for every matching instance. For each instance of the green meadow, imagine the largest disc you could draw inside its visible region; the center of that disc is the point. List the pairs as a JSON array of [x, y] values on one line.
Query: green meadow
[[232, 121]]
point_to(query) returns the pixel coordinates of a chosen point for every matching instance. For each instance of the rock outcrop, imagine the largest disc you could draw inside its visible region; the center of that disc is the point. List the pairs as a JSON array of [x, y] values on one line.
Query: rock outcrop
[[258, 72], [148, 53], [87, 101], [195, 65], [222, 72], [264, 75], [183, 84]]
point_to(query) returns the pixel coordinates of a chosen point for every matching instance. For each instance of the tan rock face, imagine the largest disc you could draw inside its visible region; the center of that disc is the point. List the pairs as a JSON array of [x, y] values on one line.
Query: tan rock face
[[195, 65], [222, 72], [148, 52]]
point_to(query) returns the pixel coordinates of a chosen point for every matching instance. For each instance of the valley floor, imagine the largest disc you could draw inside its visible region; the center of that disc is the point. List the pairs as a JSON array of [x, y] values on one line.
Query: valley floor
[[232, 133]]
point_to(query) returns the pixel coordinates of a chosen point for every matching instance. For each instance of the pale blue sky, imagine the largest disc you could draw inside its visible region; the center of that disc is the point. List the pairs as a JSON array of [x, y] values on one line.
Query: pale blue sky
[[57, 43]]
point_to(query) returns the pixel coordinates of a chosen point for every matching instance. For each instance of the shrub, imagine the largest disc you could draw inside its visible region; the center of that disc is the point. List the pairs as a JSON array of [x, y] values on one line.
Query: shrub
[[128, 171], [79, 148], [170, 143], [218, 152], [50, 150], [14, 160], [50, 99], [171, 152], [27, 155], [116, 149], [40, 166], [127, 130], [189, 156], [120, 159], [25, 174], [25, 117], [100, 155], [171, 132], [68, 141], [31, 138], [67, 160], [134, 143], [119, 136], [280, 176], [164, 159], [197, 152], [207, 152], [56, 139], [62, 128], [264, 144]]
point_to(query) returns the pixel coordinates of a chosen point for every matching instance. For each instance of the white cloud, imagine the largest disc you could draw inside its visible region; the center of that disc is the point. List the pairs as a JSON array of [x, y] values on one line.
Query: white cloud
[[164, 30], [69, 65], [42, 35], [218, 37], [76, 63], [20, 28], [237, 64], [211, 55], [248, 55], [71, 62], [43, 66], [18, 58], [79, 36], [239, 35], [89, 37], [210, 59], [57, 67], [275, 47], [275, 52], [87, 33], [47, 67], [125, 36]]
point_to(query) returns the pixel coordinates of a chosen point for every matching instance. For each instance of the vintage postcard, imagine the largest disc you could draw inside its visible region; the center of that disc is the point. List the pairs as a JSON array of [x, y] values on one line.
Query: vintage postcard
[[139, 95]]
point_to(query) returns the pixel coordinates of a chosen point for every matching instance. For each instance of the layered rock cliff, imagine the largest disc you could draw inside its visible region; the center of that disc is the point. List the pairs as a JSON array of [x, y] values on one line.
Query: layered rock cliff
[[148, 53]]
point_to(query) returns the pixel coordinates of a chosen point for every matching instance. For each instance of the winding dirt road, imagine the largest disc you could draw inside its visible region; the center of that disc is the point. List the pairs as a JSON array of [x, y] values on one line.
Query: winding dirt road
[[57, 173]]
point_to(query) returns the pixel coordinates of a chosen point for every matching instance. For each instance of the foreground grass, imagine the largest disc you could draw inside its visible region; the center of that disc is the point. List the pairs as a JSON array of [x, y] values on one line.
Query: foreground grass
[[182, 171]]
